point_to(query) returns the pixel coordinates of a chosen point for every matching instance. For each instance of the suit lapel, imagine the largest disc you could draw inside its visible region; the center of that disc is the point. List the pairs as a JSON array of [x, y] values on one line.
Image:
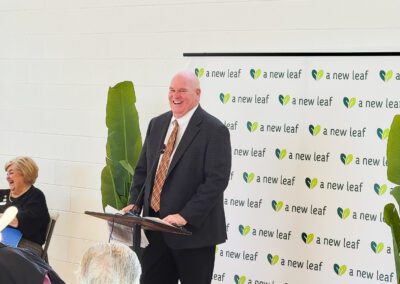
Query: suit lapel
[[190, 133], [163, 132]]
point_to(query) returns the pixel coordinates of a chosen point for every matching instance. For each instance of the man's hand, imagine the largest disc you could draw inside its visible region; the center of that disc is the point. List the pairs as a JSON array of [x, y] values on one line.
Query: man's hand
[[131, 207], [175, 219]]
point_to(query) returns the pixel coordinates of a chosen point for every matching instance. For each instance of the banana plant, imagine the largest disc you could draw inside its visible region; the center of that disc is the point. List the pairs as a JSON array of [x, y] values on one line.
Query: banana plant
[[391, 215], [124, 143]]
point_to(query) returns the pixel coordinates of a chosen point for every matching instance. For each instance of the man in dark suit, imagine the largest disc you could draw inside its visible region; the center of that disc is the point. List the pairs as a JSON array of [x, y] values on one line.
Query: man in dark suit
[[184, 168]]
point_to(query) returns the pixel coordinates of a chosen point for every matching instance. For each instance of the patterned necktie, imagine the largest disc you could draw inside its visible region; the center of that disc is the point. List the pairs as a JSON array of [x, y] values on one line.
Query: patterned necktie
[[163, 169]]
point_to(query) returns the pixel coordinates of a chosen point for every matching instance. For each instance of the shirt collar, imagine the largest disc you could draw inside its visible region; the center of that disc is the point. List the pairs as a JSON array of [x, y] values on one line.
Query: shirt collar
[[183, 120]]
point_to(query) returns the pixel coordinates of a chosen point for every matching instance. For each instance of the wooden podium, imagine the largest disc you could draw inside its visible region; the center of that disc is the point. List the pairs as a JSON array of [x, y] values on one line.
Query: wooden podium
[[137, 222]]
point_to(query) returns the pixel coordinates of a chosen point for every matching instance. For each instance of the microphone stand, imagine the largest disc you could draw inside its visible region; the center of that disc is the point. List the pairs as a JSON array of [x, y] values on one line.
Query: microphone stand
[[136, 228]]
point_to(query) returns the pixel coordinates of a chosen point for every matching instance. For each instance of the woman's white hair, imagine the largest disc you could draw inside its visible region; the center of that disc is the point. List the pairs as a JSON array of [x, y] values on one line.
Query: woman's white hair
[[109, 263]]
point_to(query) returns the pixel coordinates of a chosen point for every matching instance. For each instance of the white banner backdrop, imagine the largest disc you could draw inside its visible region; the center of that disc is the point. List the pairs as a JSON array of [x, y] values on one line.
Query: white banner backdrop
[[308, 183]]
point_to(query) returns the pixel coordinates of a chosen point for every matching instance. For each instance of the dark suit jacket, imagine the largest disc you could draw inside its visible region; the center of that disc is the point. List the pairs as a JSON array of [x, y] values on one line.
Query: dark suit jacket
[[21, 266], [197, 177]]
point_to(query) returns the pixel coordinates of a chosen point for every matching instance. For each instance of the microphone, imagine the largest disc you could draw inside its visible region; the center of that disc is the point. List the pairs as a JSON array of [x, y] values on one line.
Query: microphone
[[141, 192]]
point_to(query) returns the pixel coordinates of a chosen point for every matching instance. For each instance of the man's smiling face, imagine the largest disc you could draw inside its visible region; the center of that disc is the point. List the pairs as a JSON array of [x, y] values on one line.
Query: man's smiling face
[[184, 94]]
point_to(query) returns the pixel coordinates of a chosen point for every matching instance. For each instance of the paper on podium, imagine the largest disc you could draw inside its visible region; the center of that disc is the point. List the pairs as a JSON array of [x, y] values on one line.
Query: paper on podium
[[158, 220], [121, 233]]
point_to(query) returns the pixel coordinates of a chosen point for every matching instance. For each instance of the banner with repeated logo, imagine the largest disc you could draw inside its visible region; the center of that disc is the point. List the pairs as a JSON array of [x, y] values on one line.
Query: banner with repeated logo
[[308, 182]]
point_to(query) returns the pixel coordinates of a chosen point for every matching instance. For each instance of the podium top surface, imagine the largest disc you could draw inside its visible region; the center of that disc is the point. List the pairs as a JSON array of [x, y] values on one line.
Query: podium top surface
[[147, 223]]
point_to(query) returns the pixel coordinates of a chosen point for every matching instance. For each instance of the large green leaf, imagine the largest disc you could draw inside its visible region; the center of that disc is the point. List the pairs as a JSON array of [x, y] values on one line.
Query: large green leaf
[[393, 172], [108, 188], [391, 217], [116, 183], [393, 151], [123, 147]]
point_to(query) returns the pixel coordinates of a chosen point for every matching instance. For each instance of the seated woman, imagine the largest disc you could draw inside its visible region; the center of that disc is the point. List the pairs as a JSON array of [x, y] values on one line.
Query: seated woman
[[33, 216]]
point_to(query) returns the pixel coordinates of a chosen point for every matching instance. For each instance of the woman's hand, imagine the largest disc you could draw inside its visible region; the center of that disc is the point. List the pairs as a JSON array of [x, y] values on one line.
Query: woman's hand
[[14, 223]]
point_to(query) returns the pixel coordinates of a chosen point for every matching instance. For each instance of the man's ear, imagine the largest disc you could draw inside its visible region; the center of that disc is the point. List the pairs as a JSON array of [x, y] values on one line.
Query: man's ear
[[198, 92]]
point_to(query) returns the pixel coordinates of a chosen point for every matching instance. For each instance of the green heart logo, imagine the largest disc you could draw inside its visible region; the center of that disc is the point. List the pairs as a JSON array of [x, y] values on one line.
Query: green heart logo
[[385, 76], [383, 134], [277, 205], [340, 270], [244, 230], [199, 72], [311, 183], [280, 154], [343, 214], [248, 177], [224, 98], [307, 238], [272, 259], [284, 100], [349, 102], [346, 159], [380, 189], [239, 279], [314, 129], [317, 74], [376, 248], [255, 73], [252, 126]]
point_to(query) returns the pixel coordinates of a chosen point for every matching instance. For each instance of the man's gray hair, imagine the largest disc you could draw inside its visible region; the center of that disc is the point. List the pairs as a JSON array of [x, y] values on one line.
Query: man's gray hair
[[109, 263]]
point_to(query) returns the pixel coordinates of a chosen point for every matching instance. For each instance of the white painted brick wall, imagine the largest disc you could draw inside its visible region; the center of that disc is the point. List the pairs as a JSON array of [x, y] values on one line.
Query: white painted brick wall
[[58, 58]]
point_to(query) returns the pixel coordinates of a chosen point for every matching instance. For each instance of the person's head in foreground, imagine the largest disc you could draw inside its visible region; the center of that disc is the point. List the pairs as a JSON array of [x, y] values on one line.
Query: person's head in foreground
[[109, 263]]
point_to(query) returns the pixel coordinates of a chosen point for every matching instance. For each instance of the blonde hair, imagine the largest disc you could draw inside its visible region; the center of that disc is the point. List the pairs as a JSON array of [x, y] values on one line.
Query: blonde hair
[[26, 166], [109, 263]]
